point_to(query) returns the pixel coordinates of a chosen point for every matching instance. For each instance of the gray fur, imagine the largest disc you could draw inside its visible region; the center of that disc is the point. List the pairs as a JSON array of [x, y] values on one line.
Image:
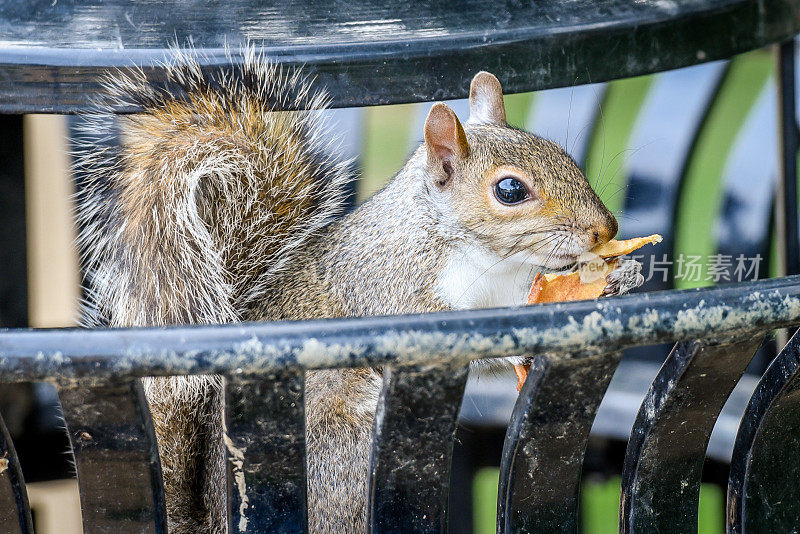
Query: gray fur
[[218, 210]]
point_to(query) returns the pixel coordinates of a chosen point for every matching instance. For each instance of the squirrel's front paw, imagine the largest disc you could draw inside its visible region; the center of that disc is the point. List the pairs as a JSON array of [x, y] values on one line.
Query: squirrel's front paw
[[625, 277]]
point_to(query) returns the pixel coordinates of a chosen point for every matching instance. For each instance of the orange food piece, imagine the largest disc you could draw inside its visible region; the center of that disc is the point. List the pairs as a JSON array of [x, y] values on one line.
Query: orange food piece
[[615, 248], [521, 371], [566, 287], [556, 287]]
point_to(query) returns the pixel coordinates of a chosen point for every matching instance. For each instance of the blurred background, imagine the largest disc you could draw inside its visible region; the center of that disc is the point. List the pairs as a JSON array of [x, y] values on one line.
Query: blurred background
[[691, 154]]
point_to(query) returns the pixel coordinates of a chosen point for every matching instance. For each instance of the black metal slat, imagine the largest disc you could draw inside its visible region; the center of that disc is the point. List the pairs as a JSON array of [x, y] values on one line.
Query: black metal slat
[[265, 442], [546, 441], [764, 483], [412, 447], [13, 268], [116, 457], [666, 450], [789, 143], [15, 514]]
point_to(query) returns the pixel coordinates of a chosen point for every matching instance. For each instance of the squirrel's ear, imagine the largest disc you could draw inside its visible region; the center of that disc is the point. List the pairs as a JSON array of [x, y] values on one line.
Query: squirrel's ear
[[445, 139], [486, 100]]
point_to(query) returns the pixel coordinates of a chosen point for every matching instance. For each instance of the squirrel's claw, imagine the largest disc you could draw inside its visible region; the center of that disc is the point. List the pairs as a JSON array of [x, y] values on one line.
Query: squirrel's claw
[[625, 277]]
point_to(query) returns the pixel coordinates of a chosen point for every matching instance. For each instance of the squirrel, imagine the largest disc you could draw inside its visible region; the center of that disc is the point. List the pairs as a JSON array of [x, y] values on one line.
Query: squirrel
[[215, 208]]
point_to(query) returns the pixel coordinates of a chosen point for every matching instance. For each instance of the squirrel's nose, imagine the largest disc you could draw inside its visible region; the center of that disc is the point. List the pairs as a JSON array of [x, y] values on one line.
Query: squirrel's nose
[[604, 231]]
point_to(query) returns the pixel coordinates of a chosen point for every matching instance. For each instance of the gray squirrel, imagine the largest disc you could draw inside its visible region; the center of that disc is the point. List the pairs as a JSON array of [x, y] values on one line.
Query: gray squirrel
[[218, 209]]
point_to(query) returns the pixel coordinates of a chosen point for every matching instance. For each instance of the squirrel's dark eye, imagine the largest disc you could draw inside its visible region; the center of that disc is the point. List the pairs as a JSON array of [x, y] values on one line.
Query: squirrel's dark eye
[[510, 191]]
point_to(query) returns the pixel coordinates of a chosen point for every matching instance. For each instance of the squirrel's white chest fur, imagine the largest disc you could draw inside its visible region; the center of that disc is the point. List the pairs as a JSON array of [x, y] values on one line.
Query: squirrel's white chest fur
[[475, 277]]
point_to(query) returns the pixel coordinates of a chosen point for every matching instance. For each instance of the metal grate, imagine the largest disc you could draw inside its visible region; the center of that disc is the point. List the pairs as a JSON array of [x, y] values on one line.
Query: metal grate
[[426, 357]]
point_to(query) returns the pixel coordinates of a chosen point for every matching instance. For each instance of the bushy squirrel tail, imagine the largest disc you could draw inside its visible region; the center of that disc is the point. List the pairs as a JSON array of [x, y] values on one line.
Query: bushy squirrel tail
[[203, 206], [210, 197]]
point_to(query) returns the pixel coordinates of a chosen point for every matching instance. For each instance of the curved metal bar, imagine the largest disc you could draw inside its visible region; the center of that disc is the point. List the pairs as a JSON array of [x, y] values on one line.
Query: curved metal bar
[[415, 425], [665, 134], [116, 456], [15, 514], [664, 459], [569, 328], [786, 198], [53, 54], [743, 227], [540, 470], [265, 441], [763, 489]]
